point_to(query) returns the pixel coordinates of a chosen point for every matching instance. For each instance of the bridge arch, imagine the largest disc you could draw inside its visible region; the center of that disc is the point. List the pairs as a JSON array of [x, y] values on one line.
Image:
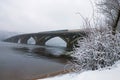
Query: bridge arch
[[27, 40], [31, 40], [56, 41], [19, 41]]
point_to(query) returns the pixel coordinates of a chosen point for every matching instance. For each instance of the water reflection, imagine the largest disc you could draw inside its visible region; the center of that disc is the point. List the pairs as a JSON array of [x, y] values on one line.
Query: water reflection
[[25, 62], [49, 53]]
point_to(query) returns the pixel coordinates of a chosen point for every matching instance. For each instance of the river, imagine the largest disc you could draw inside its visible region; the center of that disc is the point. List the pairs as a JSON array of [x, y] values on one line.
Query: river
[[26, 62]]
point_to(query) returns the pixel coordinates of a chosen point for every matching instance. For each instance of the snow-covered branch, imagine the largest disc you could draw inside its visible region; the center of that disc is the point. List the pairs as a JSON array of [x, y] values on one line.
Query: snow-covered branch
[[100, 49]]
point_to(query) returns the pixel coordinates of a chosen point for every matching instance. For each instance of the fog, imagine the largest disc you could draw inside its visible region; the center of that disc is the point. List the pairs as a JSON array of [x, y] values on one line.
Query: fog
[[42, 15]]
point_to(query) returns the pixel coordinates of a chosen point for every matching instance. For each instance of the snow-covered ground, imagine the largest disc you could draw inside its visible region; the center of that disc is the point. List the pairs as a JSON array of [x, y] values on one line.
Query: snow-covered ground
[[112, 73]]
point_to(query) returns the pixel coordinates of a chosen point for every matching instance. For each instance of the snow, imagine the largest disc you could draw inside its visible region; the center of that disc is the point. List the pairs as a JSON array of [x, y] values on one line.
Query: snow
[[111, 73]]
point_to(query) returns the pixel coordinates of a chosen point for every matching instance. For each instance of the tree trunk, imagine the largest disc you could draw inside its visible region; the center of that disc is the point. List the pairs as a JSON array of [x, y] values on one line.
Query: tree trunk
[[114, 27]]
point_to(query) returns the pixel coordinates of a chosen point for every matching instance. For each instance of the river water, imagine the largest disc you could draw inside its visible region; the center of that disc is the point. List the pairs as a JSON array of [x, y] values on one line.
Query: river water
[[26, 62]]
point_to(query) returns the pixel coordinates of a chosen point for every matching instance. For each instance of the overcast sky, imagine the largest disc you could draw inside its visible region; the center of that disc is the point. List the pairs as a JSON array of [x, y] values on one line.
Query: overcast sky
[[42, 15]]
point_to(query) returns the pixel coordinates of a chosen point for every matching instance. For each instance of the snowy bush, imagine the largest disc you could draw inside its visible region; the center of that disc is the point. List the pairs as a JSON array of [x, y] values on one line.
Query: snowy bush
[[100, 49]]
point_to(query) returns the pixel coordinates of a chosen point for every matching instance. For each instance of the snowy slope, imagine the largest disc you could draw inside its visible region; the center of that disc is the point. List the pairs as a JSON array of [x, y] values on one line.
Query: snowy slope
[[112, 73]]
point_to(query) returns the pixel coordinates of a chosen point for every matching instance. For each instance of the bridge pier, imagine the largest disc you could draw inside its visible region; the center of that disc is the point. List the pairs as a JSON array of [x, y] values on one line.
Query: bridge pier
[[69, 46], [40, 43], [71, 41], [40, 40], [24, 40]]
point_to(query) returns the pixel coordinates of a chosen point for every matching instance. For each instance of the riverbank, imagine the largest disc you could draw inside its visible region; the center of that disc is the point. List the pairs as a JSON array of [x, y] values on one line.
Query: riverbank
[[53, 74], [108, 73]]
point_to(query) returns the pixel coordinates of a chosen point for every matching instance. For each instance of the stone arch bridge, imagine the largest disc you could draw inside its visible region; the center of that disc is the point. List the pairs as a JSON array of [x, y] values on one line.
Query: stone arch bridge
[[69, 36]]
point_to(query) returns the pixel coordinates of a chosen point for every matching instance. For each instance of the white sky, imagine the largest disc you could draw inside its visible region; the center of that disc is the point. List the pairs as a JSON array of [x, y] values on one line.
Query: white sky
[[42, 15]]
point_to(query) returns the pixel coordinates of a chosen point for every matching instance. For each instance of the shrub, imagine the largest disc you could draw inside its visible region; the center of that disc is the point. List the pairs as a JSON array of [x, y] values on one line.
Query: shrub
[[100, 49]]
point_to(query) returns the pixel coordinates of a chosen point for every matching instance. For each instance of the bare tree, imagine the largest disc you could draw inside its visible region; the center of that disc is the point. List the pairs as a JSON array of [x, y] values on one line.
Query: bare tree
[[101, 48], [111, 10]]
